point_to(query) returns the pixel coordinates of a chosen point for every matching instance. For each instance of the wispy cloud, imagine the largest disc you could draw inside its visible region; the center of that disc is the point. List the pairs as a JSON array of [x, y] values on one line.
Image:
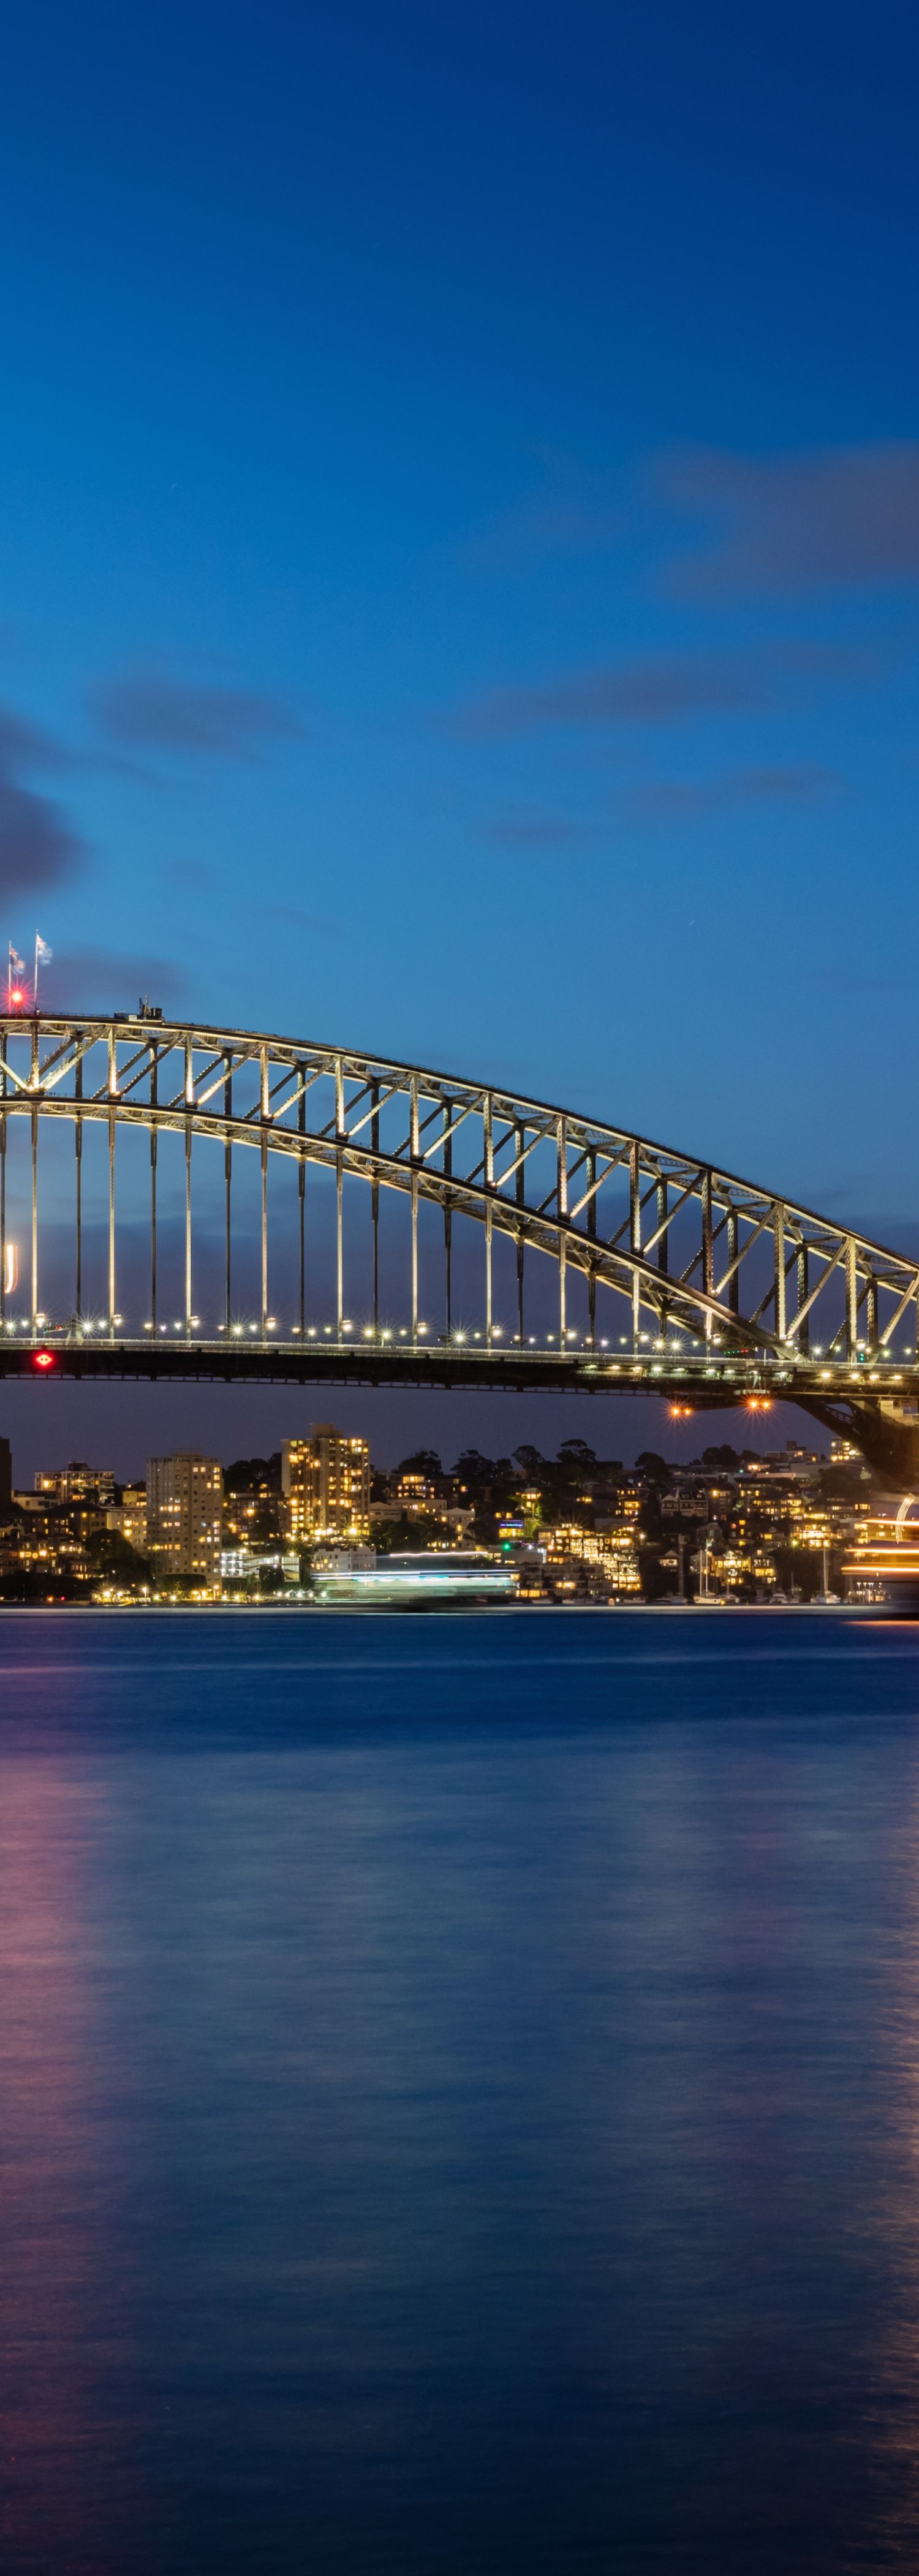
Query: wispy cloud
[[154, 710], [534, 831], [312, 924], [659, 689], [804, 785], [817, 518], [38, 845]]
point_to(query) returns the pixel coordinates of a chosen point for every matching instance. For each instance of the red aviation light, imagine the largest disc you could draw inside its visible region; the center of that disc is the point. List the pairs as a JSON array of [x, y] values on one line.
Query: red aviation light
[[43, 1359]]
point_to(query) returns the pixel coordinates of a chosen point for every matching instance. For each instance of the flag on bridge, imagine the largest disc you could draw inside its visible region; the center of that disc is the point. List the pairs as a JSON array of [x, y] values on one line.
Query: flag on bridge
[[15, 989], [42, 958]]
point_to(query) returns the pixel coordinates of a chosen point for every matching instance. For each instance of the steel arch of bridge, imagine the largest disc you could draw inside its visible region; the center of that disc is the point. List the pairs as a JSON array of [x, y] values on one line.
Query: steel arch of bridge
[[664, 1269]]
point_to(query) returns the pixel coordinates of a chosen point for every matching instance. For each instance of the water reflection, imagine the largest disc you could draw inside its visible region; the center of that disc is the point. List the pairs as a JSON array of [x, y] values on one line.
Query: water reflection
[[57, 2299], [891, 2398], [463, 2097]]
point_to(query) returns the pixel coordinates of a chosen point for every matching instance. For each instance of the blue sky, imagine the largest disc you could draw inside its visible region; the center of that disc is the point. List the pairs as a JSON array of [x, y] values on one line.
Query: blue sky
[[460, 543]]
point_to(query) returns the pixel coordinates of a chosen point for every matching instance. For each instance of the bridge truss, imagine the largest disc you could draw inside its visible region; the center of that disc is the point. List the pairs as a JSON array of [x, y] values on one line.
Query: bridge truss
[[186, 1201]]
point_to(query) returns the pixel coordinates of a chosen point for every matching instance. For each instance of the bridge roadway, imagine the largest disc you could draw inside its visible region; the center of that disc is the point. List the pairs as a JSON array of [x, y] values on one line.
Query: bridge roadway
[[877, 1406]]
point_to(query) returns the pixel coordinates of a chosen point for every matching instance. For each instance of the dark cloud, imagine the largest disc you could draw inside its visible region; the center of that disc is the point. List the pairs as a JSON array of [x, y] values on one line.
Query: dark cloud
[[23, 746], [740, 787], [534, 831], [155, 711], [798, 522], [38, 847], [659, 689], [104, 979]]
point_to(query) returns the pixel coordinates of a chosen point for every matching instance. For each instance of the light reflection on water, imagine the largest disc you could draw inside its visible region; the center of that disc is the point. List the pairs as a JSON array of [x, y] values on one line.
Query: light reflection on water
[[460, 2094]]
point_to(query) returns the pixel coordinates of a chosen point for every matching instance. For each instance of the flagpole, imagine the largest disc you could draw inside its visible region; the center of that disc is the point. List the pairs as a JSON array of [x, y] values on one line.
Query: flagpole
[[35, 1004]]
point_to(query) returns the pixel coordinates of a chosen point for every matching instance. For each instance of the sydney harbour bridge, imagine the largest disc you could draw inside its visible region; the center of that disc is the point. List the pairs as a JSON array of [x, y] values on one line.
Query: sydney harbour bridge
[[205, 1203]]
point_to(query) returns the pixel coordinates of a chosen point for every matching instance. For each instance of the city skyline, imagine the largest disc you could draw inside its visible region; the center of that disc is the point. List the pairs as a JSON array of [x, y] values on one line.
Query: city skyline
[[317, 1522]]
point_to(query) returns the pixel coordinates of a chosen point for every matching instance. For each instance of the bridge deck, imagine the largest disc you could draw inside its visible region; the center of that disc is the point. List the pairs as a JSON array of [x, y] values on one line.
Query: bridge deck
[[726, 1378]]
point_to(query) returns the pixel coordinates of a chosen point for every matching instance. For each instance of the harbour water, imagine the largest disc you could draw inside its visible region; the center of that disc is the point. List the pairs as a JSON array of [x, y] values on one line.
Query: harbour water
[[460, 2089]]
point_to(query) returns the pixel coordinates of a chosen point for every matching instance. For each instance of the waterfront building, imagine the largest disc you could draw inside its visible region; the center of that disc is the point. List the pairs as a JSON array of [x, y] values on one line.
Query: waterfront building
[[184, 1504], [326, 1486], [129, 1517], [254, 1566], [589, 1560], [343, 1560], [415, 1493], [77, 1483]]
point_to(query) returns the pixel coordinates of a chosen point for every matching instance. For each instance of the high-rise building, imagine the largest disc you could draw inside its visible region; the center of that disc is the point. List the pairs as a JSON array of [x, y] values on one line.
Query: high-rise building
[[326, 1485], [184, 1508]]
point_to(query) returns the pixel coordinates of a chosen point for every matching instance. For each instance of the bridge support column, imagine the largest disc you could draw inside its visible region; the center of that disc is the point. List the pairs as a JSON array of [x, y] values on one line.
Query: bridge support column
[[708, 1247], [78, 1178], [733, 1263], [592, 1237], [561, 1193], [111, 1221], [153, 1146], [228, 1191], [340, 1248], [154, 1097], [374, 1213], [188, 1276], [781, 1320], [851, 1296], [520, 1196], [34, 1214], [635, 1235], [3, 1077], [448, 1217], [264, 1236], [801, 1264], [415, 1261]]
